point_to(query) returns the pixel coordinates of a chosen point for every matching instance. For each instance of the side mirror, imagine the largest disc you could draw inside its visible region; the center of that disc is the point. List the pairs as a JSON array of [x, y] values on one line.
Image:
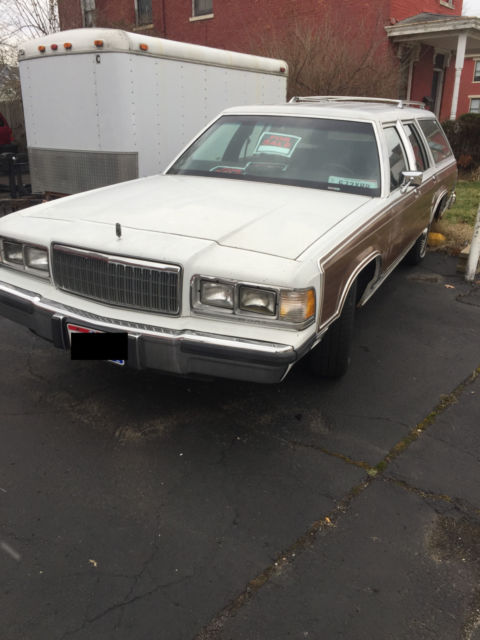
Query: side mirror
[[411, 179]]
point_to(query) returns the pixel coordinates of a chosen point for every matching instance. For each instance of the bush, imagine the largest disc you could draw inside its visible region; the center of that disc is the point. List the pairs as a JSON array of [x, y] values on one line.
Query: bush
[[464, 137]]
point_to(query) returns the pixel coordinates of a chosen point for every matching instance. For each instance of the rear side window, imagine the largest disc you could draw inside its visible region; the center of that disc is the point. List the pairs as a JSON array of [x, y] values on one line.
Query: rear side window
[[396, 157], [418, 148], [436, 139]]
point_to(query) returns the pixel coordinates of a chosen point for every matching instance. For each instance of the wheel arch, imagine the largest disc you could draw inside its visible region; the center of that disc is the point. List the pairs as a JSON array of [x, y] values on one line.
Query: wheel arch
[[365, 274], [439, 204]]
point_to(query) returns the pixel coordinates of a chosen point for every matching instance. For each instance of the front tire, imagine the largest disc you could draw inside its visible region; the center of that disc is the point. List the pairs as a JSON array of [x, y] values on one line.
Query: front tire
[[331, 358]]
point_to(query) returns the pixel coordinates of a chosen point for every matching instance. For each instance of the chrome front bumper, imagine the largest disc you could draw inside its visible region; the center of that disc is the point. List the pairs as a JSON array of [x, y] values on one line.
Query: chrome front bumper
[[182, 352]]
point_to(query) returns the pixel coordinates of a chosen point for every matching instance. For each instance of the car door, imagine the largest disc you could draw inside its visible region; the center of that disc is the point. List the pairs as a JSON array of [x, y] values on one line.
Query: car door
[[418, 216], [404, 211]]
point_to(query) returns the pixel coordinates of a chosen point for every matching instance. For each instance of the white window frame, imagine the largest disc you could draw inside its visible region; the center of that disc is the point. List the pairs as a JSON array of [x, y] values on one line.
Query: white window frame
[[447, 3], [470, 107], [476, 63], [200, 16]]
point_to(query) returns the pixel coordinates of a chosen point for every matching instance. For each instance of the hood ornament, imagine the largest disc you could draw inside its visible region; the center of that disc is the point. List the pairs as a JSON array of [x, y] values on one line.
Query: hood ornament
[[118, 230]]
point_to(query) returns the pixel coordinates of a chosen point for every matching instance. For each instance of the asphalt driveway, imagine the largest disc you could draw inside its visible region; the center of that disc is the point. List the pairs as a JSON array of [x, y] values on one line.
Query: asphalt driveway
[[134, 505]]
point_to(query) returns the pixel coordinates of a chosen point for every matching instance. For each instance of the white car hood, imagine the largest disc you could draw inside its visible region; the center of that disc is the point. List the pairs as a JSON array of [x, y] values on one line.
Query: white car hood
[[267, 218]]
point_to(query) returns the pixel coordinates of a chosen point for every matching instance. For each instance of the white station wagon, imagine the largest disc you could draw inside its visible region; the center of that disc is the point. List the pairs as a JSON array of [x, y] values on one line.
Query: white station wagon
[[250, 252]]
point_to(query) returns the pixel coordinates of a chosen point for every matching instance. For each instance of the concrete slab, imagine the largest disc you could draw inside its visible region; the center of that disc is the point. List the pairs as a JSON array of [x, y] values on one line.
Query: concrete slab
[[446, 460], [391, 568]]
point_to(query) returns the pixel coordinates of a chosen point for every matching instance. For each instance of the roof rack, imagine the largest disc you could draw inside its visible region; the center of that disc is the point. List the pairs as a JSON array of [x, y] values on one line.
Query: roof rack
[[399, 103]]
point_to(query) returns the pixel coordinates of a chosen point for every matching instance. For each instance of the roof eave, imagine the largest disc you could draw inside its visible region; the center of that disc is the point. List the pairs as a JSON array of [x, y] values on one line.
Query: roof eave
[[432, 27]]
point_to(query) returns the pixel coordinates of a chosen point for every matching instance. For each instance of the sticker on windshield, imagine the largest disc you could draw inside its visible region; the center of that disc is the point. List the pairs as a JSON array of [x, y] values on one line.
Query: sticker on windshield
[[353, 182], [222, 169], [277, 144]]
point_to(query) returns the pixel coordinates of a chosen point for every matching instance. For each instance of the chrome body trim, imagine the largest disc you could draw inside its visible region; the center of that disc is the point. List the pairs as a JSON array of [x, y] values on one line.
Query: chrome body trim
[[239, 315], [371, 287], [98, 285], [183, 351]]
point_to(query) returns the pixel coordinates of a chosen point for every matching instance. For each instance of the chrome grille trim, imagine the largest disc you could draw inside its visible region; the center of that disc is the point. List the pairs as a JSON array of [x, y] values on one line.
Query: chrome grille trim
[[118, 280]]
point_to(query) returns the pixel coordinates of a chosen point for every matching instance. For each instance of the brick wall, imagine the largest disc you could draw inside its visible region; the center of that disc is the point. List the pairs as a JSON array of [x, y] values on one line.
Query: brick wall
[[401, 9], [70, 14], [467, 86], [236, 25]]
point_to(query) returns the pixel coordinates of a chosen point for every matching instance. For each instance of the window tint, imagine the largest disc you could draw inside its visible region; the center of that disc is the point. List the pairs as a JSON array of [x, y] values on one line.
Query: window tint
[[436, 139], [396, 156], [331, 154], [418, 148]]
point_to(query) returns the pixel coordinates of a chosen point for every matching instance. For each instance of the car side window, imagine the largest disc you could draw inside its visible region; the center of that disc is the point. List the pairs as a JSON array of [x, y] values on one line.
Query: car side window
[[436, 139], [421, 158], [396, 156]]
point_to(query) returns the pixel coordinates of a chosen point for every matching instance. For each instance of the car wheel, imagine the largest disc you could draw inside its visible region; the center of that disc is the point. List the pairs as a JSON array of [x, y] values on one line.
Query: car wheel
[[419, 250], [331, 358]]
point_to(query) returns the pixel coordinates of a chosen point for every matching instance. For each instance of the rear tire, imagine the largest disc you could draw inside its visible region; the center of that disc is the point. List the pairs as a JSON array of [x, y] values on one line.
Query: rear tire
[[419, 250], [331, 358]]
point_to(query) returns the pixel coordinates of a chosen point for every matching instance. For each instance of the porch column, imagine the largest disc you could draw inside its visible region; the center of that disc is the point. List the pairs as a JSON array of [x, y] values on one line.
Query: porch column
[[459, 60]]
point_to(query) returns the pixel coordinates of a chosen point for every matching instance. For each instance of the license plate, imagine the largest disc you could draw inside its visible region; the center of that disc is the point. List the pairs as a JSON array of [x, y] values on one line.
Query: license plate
[[75, 328]]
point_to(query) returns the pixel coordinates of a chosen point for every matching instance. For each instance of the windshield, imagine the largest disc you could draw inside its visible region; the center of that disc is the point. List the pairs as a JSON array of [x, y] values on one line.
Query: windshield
[[337, 155]]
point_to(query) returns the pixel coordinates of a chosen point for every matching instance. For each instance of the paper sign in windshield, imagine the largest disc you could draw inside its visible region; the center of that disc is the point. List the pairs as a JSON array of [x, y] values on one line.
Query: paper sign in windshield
[[353, 182], [222, 169], [278, 144]]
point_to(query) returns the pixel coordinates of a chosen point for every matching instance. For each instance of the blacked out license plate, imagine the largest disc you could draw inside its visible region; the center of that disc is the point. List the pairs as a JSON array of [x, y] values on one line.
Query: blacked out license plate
[[92, 344]]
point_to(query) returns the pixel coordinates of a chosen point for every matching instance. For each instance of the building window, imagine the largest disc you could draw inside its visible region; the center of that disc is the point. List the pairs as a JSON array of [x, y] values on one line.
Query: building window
[[143, 10], [202, 7], [476, 71], [474, 105], [88, 10], [447, 3]]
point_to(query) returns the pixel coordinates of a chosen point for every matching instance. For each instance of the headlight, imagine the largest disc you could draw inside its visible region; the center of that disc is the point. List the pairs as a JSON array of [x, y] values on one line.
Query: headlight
[[36, 258], [24, 257], [13, 252], [256, 300], [216, 294], [245, 301]]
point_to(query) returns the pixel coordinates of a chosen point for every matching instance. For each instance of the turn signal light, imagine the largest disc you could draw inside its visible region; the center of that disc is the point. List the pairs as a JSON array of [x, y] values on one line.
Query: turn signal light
[[98, 43], [67, 45], [41, 48], [144, 47]]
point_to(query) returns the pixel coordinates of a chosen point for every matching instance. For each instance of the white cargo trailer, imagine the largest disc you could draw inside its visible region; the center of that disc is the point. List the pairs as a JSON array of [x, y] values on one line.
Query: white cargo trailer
[[104, 105]]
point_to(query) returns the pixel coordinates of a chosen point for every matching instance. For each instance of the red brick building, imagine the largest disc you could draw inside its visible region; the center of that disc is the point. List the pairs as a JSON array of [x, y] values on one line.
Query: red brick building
[[439, 49]]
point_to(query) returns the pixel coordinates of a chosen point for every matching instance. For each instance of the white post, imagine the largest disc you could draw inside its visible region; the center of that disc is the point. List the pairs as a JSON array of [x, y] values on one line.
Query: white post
[[474, 254], [459, 60]]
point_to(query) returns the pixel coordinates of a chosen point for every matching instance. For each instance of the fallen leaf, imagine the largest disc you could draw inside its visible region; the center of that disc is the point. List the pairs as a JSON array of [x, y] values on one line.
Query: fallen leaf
[[449, 286], [93, 562]]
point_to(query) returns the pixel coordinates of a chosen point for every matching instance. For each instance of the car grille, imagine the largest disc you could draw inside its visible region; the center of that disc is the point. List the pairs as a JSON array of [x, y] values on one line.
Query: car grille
[[125, 282]]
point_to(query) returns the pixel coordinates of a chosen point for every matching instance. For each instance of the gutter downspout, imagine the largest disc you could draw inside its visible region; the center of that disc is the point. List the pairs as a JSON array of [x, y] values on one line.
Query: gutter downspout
[[459, 60]]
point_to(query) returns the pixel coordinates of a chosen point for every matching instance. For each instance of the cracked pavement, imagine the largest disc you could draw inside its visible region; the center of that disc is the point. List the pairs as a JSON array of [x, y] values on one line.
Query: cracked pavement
[[135, 505]]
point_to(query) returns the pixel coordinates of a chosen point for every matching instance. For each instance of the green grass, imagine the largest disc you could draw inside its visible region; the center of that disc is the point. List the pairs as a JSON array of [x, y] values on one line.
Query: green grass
[[468, 200]]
